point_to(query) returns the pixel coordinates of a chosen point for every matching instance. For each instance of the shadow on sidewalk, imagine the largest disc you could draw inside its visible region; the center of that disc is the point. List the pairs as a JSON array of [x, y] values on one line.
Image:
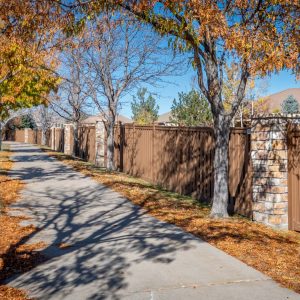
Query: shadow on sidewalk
[[94, 235]]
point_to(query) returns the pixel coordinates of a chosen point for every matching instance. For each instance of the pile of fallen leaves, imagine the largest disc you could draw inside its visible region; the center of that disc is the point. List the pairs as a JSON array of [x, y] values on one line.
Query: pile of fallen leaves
[[9, 293], [9, 187], [273, 252], [15, 255]]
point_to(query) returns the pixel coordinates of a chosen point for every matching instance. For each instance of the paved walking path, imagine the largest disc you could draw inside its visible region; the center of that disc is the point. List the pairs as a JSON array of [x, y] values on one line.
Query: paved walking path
[[116, 250]]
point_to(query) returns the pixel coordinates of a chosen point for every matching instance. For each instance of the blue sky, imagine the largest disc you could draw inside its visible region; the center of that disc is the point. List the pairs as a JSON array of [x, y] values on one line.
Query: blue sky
[[168, 92]]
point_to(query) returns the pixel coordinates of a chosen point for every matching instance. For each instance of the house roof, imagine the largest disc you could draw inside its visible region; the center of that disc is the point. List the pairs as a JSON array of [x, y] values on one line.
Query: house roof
[[274, 101], [100, 117], [164, 118]]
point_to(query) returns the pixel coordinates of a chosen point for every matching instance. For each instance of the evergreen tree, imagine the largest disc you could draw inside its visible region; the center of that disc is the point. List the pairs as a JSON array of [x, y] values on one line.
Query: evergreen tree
[[144, 110], [191, 109], [27, 122], [290, 105]]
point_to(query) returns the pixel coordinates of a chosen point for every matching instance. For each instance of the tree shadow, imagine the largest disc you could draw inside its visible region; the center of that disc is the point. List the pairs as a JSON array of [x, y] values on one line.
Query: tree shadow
[[104, 234]]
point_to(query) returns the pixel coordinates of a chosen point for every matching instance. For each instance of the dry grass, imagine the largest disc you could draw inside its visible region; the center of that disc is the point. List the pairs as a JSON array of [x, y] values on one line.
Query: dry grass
[[15, 255], [273, 252]]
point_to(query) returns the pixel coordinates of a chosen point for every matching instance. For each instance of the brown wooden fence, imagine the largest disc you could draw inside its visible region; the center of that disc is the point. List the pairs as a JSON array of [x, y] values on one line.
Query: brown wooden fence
[[34, 136], [9, 135], [86, 143], [20, 136], [178, 159], [58, 139], [181, 160]]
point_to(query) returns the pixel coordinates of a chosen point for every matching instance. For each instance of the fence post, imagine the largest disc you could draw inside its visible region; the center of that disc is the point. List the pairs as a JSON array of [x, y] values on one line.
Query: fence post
[[270, 171], [67, 139], [100, 144], [55, 138], [43, 137], [52, 138]]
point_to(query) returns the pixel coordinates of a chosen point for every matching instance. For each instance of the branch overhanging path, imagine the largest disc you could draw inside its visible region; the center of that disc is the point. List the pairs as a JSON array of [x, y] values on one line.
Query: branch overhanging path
[[114, 250]]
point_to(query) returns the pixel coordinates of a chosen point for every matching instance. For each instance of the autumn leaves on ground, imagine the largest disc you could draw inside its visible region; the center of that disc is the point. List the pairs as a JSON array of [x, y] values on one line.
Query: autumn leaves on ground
[[274, 253], [15, 256]]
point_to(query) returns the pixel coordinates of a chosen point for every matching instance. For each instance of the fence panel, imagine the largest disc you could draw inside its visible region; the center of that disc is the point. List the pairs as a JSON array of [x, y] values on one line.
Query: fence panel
[[20, 135], [39, 137], [59, 139], [181, 160], [31, 136], [294, 178], [240, 172], [87, 143], [48, 137], [9, 135]]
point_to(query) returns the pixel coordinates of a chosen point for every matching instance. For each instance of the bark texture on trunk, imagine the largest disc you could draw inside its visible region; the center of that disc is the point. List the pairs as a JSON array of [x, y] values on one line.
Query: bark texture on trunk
[[0, 136], [110, 146], [221, 196]]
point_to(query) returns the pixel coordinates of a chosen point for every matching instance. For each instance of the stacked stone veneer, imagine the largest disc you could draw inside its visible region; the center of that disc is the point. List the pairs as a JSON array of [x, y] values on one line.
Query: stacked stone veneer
[[53, 138], [270, 171], [67, 139], [100, 144]]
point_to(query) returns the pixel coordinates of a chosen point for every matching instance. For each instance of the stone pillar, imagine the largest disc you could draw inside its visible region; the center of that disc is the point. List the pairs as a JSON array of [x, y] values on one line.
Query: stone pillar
[[67, 139], [26, 135], [53, 138], [270, 171], [100, 144], [43, 138]]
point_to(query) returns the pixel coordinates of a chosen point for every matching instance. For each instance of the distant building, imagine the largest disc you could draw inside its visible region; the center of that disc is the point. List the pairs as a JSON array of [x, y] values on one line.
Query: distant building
[[274, 101], [100, 117], [165, 119], [273, 105]]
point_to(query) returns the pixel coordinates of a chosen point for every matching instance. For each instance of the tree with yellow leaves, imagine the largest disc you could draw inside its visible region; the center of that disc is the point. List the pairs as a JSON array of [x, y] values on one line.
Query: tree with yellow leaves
[[259, 36], [252, 104], [27, 54]]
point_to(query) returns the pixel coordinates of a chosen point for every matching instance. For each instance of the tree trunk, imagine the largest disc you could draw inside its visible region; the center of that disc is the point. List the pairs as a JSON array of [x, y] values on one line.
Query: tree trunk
[[241, 118], [76, 140], [220, 198], [1, 203], [0, 136], [110, 165]]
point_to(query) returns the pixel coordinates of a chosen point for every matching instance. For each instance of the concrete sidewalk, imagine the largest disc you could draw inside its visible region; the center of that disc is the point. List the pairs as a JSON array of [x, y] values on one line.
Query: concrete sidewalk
[[116, 250]]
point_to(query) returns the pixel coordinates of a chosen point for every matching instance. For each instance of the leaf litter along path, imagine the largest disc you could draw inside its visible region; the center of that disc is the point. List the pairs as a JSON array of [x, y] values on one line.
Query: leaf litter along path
[[15, 255], [275, 253], [101, 246]]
